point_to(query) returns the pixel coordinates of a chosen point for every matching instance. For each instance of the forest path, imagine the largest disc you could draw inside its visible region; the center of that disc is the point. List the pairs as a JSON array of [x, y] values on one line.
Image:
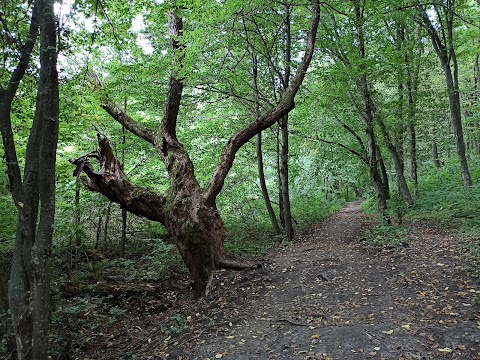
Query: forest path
[[328, 297]]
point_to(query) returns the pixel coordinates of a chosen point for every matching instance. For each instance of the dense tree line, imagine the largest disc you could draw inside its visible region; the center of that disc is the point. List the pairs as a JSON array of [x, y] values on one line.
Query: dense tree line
[[203, 112]]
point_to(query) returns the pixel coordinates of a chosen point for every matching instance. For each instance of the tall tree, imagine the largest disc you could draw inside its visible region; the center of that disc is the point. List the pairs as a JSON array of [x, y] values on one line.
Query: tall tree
[[34, 194], [440, 27], [187, 210], [283, 122]]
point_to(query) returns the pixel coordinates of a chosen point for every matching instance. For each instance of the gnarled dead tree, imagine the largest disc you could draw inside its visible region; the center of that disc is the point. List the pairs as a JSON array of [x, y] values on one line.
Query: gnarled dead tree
[[188, 211]]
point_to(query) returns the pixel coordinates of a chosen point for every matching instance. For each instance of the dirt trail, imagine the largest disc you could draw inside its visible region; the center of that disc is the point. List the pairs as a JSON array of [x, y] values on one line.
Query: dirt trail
[[326, 297], [329, 298]]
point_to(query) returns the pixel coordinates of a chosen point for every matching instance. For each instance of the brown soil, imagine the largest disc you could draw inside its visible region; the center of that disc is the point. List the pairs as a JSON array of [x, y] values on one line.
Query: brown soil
[[326, 297]]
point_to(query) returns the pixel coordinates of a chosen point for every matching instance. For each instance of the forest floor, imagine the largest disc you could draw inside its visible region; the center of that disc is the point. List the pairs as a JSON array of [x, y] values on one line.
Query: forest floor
[[328, 296]]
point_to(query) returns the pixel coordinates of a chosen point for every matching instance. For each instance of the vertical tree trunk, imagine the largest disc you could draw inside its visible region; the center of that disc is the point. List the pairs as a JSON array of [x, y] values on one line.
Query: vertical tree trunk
[[380, 183], [263, 187], [456, 118], [383, 174], [412, 161], [413, 67], [435, 156], [29, 286], [99, 230], [444, 47], [368, 115], [5, 320], [285, 187], [401, 182], [123, 238], [261, 172], [78, 238], [105, 225], [281, 209]]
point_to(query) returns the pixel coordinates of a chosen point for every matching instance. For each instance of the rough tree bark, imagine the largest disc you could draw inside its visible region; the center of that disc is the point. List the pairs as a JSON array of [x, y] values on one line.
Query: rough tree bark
[[188, 211], [34, 195]]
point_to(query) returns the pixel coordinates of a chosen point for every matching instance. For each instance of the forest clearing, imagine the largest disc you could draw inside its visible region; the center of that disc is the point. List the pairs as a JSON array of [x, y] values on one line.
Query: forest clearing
[[181, 179]]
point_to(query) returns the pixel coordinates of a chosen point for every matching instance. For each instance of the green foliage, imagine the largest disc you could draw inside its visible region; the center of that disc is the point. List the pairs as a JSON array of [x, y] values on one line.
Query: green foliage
[[8, 218], [386, 237], [443, 198]]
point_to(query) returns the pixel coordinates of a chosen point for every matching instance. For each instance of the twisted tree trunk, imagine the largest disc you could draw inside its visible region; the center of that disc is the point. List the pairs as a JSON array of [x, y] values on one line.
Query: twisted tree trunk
[[188, 211]]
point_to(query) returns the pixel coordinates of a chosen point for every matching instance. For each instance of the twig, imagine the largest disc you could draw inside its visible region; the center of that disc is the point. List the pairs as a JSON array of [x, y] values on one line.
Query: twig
[[292, 322]]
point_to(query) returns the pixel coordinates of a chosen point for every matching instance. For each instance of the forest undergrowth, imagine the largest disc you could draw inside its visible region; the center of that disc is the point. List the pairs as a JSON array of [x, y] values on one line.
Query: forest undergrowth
[[96, 291]]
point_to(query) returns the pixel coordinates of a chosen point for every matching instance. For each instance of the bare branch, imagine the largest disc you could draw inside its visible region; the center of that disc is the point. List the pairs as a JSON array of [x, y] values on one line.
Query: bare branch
[[351, 131], [136, 128], [354, 152], [285, 105]]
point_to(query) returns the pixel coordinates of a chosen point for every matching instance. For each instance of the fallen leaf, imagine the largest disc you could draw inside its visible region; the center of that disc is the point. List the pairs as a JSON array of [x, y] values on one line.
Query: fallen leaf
[[445, 350]]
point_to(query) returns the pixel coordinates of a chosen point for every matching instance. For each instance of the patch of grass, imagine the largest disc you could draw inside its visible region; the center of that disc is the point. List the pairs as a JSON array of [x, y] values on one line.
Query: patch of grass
[[308, 210], [386, 237], [250, 241], [8, 219], [444, 199]]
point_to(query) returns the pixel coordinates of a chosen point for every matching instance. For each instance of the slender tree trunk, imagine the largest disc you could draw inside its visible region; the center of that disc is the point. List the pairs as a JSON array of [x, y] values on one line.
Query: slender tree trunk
[[285, 190], [261, 172], [285, 187], [78, 238], [281, 209], [413, 67], [444, 47], [368, 115], [123, 239], [435, 156], [105, 225], [5, 319], [412, 161], [402, 183], [263, 185], [99, 230], [380, 184], [456, 118]]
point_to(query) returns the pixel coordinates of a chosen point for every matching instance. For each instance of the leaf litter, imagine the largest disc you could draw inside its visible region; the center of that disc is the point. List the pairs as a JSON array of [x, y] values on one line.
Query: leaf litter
[[326, 297]]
